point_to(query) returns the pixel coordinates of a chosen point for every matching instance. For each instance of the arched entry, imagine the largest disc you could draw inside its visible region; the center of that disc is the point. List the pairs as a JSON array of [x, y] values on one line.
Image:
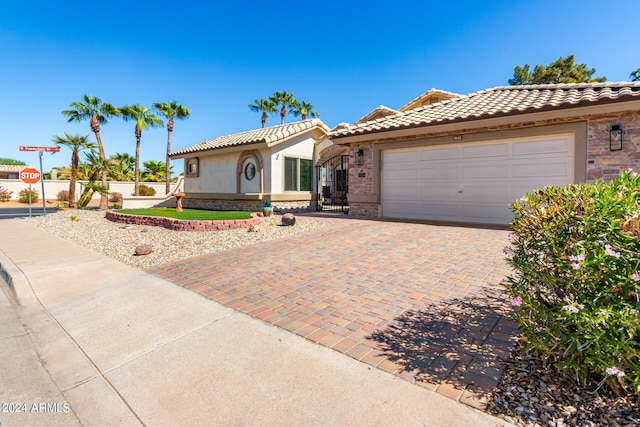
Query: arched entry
[[333, 184]]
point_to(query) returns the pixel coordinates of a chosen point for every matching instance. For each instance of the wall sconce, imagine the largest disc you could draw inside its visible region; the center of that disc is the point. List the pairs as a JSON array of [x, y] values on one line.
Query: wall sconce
[[360, 157], [615, 138]]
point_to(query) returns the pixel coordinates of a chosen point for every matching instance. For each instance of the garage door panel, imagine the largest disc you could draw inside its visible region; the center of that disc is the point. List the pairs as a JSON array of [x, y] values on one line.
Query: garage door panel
[[556, 145], [482, 192], [472, 182], [485, 170], [450, 153], [487, 150], [405, 173], [442, 192], [439, 173], [398, 192], [401, 156], [543, 169]]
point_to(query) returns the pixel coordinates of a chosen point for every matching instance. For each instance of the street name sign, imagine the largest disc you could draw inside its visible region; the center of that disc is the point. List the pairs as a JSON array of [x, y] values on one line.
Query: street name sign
[[37, 148]]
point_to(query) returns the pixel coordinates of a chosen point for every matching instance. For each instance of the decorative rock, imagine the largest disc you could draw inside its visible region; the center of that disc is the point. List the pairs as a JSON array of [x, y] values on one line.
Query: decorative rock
[[143, 249], [288, 219]]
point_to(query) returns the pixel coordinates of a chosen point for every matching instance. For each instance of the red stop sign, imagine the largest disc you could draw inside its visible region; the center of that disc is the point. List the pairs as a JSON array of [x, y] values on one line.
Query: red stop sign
[[30, 175]]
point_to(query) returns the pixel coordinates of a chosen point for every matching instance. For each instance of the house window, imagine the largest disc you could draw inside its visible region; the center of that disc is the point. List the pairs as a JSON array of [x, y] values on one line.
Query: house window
[[298, 174], [192, 167]]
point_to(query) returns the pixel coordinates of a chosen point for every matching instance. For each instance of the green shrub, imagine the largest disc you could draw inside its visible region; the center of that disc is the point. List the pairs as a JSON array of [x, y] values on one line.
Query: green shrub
[[63, 195], [5, 195], [576, 286], [145, 190], [23, 196]]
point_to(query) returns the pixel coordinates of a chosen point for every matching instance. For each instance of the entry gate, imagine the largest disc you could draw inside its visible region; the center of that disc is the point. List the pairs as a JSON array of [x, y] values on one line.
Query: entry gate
[[333, 184]]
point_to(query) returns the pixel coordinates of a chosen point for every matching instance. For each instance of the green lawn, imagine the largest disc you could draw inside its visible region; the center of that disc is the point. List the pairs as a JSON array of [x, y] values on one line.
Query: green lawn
[[188, 214]]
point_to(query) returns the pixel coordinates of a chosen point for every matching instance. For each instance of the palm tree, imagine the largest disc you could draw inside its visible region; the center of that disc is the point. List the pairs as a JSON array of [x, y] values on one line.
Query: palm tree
[[303, 108], [284, 99], [97, 112], [171, 110], [121, 167], [153, 171], [92, 167], [635, 76], [265, 106], [76, 143], [144, 119]]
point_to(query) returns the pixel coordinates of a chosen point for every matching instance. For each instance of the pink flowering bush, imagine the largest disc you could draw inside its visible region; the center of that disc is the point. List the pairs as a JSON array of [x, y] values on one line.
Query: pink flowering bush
[[5, 195], [575, 252]]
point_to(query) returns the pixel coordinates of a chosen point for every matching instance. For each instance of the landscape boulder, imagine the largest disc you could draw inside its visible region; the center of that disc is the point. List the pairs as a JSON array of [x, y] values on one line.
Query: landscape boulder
[[288, 219], [144, 249]]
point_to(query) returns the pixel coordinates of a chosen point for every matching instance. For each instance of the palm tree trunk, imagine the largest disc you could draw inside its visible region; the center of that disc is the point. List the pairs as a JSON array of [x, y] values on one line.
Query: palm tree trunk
[[283, 112], [137, 168], [168, 167], [72, 181], [103, 198]]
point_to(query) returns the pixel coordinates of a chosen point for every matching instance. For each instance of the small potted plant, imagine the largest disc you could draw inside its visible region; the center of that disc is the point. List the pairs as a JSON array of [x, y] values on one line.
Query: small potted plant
[[267, 209]]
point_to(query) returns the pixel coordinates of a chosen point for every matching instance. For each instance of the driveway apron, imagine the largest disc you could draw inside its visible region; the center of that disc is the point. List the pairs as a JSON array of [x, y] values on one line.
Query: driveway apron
[[421, 301]]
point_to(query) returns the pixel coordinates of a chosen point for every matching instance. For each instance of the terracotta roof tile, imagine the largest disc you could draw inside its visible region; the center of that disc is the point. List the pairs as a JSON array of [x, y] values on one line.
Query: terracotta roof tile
[[498, 102], [269, 135]]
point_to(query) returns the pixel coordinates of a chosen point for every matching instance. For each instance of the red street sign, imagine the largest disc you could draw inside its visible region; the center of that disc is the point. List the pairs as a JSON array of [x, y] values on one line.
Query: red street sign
[[35, 148], [30, 175]]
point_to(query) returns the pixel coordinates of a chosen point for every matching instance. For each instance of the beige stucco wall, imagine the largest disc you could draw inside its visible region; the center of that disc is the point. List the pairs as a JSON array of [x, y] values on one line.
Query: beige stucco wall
[[300, 146]]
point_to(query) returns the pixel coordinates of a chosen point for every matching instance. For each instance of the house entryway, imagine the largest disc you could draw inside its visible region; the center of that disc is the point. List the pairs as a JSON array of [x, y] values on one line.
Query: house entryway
[[333, 184]]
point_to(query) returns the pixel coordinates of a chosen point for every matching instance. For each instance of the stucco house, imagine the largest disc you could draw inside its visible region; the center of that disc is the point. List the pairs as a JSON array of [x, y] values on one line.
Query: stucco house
[[464, 158], [10, 171], [239, 171]]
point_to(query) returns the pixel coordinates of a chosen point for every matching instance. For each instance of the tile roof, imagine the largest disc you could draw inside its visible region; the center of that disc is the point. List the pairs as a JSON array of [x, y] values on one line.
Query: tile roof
[[381, 111], [430, 97], [269, 135], [499, 102], [11, 168]]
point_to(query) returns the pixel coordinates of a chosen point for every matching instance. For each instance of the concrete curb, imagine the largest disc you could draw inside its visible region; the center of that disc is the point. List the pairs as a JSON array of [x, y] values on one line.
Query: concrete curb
[[11, 274]]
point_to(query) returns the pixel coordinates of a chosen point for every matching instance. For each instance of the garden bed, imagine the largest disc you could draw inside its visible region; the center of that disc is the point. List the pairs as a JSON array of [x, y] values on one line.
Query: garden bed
[[183, 225]]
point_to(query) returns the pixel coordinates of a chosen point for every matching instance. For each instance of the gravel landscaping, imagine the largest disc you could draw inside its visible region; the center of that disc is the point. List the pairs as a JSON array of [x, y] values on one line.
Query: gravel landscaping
[[90, 229]]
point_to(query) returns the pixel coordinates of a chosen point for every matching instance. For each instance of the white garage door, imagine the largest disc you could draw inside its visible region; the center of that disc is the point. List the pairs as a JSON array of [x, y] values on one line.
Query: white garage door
[[472, 182]]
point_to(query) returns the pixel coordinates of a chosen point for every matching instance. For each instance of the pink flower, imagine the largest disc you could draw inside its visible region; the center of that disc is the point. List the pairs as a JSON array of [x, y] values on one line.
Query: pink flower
[[575, 266], [611, 252], [633, 311], [635, 277], [572, 308], [615, 371], [505, 250], [516, 302], [580, 257]]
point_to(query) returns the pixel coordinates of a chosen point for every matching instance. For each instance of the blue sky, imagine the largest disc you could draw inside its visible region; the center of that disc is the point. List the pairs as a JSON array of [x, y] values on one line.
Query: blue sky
[[344, 57]]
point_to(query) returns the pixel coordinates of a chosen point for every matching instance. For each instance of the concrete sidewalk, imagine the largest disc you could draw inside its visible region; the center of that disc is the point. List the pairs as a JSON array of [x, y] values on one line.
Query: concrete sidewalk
[[95, 342]]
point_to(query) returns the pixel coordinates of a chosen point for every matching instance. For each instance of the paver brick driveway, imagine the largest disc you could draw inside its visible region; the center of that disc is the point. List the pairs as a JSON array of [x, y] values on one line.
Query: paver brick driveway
[[348, 286]]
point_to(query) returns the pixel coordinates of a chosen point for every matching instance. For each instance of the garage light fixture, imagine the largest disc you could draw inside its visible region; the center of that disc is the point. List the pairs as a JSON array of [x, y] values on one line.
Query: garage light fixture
[[360, 157], [615, 138]]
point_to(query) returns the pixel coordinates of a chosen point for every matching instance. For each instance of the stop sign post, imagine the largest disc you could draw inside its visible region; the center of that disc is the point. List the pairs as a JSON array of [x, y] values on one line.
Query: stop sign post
[[32, 175]]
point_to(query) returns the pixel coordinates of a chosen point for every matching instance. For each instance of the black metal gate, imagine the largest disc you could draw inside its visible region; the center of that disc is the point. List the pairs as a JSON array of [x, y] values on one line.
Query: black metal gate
[[333, 184]]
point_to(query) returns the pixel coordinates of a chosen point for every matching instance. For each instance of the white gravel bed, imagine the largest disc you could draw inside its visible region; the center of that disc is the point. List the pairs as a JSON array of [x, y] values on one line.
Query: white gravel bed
[[118, 241]]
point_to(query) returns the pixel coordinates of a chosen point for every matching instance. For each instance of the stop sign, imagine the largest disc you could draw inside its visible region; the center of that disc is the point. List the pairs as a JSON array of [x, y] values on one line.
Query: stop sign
[[30, 175]]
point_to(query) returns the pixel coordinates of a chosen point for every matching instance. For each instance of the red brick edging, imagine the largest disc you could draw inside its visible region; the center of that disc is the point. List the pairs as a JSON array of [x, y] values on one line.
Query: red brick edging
[[182, 225]]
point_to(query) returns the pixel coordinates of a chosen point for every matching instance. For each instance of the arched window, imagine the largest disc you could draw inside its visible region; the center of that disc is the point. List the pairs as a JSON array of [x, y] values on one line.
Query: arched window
[[192, 167]]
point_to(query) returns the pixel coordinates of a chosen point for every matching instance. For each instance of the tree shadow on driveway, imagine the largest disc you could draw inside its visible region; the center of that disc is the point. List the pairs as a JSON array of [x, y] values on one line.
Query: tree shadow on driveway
[[463, 342]]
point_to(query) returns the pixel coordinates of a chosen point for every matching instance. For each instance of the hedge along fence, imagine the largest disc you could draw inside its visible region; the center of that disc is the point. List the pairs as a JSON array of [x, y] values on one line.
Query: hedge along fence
[[576, 286]]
